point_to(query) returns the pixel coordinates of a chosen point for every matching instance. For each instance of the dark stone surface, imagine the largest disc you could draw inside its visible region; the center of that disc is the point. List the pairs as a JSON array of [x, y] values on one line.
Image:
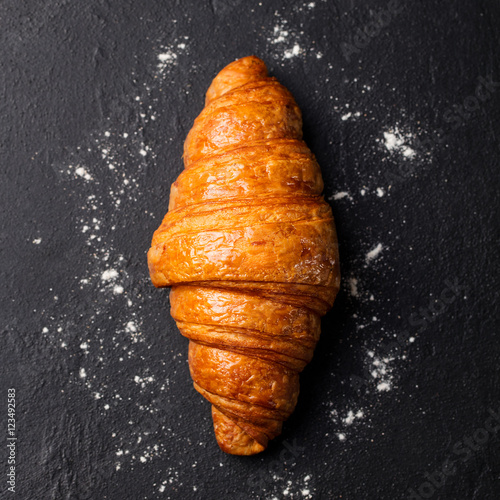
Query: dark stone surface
[[99, 369]]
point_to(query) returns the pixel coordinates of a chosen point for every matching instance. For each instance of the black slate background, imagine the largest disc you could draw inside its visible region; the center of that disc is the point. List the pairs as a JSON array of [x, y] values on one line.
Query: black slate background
[[71, 71]]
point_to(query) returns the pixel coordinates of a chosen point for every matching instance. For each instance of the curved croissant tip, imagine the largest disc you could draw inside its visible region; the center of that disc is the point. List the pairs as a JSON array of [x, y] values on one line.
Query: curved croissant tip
[[233, 439], [249, 62], [235, 74]]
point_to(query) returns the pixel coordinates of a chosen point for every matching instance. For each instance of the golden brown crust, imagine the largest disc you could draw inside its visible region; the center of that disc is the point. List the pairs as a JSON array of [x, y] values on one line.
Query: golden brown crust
[[250, 250], [232, 438], [235, 74], [277, 167]]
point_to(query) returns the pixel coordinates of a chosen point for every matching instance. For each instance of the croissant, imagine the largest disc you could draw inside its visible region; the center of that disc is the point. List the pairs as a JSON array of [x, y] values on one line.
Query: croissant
[[250, 250]]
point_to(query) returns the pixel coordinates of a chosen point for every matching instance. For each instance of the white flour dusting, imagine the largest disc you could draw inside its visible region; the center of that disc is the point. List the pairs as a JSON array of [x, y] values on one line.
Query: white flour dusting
[[377, 379], [293, 52], [280, 34], [286, 41], [374, 252], [381, 371], [80, 171], [398, 142], [109, 274], [169, 54], [350, 114], [353, 287], [340, 195], [351, 417], [106, 176]]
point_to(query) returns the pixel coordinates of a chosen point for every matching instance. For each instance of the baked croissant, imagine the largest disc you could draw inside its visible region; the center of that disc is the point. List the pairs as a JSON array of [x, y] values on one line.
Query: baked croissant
[[250, 250]]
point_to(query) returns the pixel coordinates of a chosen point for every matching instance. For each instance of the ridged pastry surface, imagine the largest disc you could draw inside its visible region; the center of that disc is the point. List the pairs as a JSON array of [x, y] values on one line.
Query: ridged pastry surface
[[250, 250]]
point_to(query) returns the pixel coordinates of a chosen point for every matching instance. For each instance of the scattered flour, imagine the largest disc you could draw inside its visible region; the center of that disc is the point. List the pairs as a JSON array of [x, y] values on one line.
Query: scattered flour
[[383, 386], [80, 171], [167, 57], [381, 371], [353, 287], [374, 252], [340, 195], [170, 54], [293, 52], [106, 175], [304, 491], [131, 327], [350, 114], [280, 34], [286, 41], [109, 274], [396, 141], [351, 417]]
